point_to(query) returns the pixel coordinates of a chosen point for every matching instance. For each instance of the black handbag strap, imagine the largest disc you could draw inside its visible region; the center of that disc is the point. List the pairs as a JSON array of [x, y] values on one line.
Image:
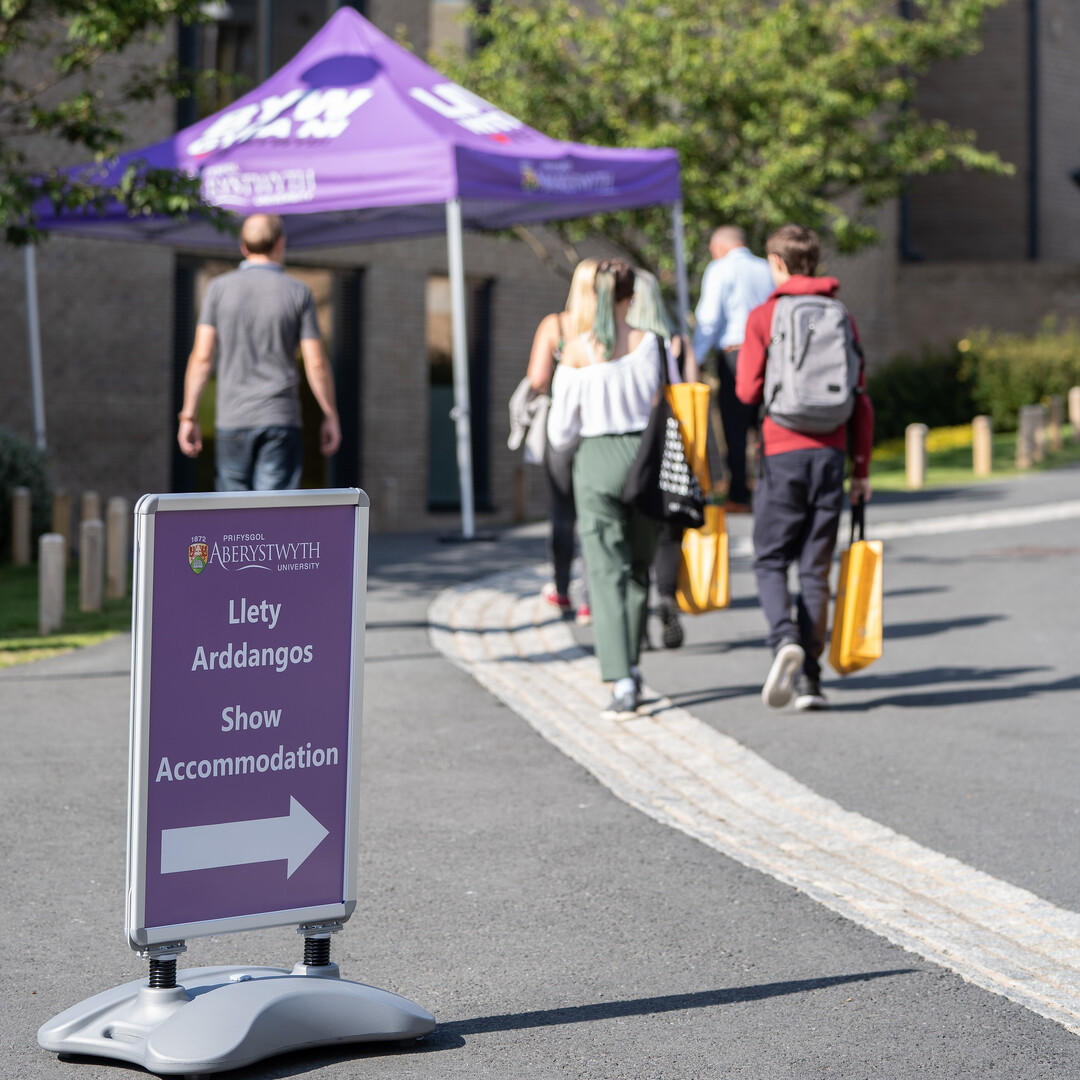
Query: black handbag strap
[[664, 378], [858, 518]]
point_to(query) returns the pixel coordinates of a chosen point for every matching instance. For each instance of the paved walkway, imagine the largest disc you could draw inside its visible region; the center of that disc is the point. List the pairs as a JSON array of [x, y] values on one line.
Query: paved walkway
[[682, 772]]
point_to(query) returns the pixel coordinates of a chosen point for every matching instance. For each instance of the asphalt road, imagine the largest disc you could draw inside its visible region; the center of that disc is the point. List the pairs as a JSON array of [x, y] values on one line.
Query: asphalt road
[[557, 932]]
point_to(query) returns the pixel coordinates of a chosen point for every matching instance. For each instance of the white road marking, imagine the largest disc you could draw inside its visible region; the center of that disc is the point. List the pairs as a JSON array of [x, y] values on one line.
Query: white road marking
[[988, 519], [680, 771]]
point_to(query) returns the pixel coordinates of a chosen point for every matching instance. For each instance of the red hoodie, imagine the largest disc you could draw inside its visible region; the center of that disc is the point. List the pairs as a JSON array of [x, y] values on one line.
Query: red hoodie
[[750, 382]]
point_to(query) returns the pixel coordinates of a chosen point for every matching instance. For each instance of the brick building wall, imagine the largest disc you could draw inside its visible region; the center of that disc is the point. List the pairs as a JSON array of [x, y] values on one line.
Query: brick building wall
[[1059, 135], [973, 232], [962, 215]]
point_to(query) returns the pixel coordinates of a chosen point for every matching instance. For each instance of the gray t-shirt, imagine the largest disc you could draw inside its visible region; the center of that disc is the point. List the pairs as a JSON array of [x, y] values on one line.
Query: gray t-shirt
[[260, 315]]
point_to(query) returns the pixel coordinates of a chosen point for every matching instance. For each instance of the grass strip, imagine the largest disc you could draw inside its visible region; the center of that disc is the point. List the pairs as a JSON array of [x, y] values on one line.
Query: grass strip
[[20, 641], [950, 465]]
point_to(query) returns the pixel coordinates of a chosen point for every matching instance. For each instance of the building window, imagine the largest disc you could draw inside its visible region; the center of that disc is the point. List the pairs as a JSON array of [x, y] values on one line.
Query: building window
[[447, 32], [247, 41], [444, 489]]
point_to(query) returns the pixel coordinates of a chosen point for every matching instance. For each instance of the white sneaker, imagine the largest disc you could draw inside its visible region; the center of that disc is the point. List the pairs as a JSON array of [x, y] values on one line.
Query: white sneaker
[[787, 663]]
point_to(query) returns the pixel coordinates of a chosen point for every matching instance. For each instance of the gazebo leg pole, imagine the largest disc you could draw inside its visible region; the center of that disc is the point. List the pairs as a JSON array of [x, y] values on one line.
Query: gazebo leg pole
[[33, 335], [680, 266], [461, 413]]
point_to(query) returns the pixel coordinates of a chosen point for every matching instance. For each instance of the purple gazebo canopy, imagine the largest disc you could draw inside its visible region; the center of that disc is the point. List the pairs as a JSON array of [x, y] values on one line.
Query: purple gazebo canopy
[[357, 139]]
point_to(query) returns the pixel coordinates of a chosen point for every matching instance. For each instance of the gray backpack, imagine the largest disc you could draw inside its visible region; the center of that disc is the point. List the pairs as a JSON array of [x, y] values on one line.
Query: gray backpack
[[813, 364]]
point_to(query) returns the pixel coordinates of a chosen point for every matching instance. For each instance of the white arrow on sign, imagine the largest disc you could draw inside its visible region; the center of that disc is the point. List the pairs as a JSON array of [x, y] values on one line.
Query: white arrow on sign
[[235, 843]]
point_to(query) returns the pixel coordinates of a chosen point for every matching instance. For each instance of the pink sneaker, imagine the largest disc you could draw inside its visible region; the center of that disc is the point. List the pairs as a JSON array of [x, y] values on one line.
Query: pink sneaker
[[584, 615], [555, 599]]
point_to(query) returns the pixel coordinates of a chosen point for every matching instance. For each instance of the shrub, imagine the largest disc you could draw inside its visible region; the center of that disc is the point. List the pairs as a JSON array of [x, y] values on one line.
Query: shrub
[[1006, 371], [22, 465], [931, 389]]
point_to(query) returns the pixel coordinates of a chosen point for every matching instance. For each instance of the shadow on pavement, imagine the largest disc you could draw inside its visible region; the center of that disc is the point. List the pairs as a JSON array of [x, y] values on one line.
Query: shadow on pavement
[[933, 676], [917, 590], [937, 626], [937, 495], [687, 698], [611, 1010], [709, 648], [945, 698]]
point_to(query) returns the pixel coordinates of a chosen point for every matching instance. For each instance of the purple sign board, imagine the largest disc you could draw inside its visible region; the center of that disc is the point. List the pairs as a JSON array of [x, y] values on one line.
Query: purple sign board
[[247, 665]]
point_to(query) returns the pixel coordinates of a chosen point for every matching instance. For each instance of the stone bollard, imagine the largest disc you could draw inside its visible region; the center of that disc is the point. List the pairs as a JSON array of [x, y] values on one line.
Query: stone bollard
[[982, 445], [90, 507], [51, 574], [915, 454], [1074, 412], [118, 538], [1039, 418], [91, 564], [1030, 436], [61, 520], [1056, 418], [21, 533]]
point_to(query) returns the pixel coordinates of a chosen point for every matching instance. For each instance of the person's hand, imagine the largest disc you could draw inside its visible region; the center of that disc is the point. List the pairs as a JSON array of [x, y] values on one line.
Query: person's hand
[[330, 435], [860, 490], [189, 436]]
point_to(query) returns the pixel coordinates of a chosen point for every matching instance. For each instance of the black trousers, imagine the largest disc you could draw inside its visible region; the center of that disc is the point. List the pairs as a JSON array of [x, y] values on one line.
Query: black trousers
[[797, 503], [737, 419], [666, 562], [559, 465]]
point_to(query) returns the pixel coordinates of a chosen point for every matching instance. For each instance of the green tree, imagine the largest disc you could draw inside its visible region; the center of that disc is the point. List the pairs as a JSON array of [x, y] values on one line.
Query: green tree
[[789, 110], [70, 72]]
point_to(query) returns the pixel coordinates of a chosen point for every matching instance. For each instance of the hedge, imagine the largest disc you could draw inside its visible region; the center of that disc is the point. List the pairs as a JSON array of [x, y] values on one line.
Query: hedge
[[1006, 371], [22, 465], [988, 372], [928, 389]]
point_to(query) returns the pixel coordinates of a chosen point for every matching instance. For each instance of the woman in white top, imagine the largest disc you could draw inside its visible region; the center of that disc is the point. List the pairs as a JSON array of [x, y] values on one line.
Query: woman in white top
[[603, 393]]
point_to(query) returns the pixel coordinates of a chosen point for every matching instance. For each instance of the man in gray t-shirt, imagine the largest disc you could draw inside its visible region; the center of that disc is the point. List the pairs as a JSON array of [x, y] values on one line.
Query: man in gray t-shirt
[[255, 317]]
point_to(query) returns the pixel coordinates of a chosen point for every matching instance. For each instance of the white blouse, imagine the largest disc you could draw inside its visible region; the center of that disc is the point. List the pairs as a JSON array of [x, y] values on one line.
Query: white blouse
[[606, 398]]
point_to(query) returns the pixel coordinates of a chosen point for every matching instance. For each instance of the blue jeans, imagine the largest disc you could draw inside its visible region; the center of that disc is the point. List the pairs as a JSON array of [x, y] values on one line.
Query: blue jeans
[[258, 459]]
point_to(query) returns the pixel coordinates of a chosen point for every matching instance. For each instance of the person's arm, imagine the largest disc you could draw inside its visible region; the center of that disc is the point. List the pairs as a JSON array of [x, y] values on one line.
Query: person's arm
[[200, 364], [709, 314], [320, 378], [564, 416], [750, 375], [542, 356], [684, 354]]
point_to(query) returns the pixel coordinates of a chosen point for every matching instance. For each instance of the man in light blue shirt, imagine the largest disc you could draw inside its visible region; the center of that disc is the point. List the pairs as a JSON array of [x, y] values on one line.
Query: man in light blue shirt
[[734, 283]]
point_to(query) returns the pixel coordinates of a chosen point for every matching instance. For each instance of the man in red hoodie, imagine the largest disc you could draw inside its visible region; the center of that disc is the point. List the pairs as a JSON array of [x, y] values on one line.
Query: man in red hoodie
[[800, 487]]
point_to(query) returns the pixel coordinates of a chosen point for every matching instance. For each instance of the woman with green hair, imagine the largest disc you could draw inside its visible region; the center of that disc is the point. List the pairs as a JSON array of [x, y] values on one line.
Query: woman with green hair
[[648, 312], [603, 393]]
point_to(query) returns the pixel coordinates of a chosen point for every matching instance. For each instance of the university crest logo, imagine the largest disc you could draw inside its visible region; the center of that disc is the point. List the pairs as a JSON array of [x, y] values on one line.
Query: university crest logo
[[197, 556], [529, 180]]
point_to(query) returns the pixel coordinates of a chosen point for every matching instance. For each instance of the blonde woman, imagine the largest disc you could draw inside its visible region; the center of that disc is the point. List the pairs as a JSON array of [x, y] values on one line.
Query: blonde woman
[[602, 395], [547, 348]]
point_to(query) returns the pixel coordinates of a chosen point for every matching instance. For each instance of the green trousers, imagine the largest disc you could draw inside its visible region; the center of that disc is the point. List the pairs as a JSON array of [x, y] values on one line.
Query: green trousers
[[618, 544]]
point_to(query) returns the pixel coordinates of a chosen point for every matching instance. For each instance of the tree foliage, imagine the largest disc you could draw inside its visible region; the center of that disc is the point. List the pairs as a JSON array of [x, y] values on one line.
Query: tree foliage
[[788, 110], [70, 72]]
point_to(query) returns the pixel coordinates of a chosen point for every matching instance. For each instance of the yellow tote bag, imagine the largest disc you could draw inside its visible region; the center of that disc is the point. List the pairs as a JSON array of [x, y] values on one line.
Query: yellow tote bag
[[858, 619], [690, 404], [702, 582]]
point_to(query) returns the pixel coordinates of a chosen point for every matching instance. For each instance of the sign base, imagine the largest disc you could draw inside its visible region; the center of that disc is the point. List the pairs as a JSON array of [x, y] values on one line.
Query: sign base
[[226, 1017]]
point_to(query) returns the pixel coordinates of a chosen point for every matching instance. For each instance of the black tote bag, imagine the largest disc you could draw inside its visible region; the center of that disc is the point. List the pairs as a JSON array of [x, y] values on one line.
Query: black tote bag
[[661, 483]]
